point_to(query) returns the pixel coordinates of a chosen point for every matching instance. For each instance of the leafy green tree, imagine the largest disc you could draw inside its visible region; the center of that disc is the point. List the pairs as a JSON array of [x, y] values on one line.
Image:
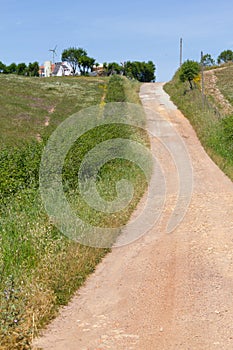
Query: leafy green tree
[[21, 69], [74, 56], [225, 56], [147, 71], [142, 71], [11, 69], [85, 64], [2, 67], [33, 69], [114, 68], [188, 71], [207, 60]]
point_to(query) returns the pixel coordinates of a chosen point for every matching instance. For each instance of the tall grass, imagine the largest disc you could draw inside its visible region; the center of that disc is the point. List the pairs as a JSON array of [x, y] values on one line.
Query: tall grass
[[40, 268]]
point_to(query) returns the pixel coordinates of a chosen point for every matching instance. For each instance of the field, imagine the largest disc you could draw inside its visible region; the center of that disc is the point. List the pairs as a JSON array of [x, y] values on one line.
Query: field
[[40, 268], [214, 128], [32, 107]]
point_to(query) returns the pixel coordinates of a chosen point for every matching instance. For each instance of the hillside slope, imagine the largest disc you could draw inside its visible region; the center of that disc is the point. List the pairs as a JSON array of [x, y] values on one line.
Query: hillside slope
[[219, 88], [40, 267], [212, 122]]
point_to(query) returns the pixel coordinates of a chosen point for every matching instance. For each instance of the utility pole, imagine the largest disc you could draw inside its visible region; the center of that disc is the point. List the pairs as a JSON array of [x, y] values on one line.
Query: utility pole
[[202, 81], [181, 51]]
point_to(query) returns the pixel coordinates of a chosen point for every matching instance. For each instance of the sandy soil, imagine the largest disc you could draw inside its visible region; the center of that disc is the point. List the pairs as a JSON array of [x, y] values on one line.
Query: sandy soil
[[164, 291]]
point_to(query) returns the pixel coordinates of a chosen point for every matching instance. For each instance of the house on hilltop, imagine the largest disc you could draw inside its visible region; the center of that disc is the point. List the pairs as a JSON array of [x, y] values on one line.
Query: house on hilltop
[[58, 69], [62, 69]]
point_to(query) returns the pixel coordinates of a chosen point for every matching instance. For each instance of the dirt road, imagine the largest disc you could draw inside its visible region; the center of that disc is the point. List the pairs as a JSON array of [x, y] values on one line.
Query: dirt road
[[164, 291]]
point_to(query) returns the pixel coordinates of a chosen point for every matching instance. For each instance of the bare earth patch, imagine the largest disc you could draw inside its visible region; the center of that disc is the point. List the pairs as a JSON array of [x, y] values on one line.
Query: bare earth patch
[[212, 90]]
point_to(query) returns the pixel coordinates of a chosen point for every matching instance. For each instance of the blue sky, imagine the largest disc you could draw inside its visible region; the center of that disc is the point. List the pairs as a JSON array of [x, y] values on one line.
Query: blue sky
[[116, 31]]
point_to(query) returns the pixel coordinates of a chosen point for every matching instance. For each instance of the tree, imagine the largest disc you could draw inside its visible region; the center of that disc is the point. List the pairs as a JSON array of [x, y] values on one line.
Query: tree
[[207, 60], [147, 71], [73, 56], [113, 68], [225, 56], [2, 67], [85, 64], [21, 69], [188, 71], [11, 69], [33, 69], [142, 71]]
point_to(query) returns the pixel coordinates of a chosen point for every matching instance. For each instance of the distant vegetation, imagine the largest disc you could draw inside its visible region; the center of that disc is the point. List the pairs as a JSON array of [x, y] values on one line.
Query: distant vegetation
[[32, 70], [83, 64], [225, 56], [213, 129], [190, 69], [141, 71], [78, 59]]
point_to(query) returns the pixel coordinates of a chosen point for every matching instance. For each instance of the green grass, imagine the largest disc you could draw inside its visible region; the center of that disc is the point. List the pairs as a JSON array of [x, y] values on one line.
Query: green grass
[[26, 103], [216, 134], [40, 268], [225, 82]]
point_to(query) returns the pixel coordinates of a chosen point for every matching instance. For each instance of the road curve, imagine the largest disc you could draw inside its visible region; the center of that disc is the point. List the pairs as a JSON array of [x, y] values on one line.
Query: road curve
[[164, 291]]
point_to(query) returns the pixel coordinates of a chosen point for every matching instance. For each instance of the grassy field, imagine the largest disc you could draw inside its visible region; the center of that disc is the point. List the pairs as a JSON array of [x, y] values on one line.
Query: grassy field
[[40, 268], [215, 132], [28, 105]]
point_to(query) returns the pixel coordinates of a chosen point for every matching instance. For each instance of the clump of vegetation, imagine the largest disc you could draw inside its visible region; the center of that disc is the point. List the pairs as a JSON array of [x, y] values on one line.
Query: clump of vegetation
[[189, 71], [225, 56], [31, 70], [116, 91], [207, 60], [78, 59], [141, 71]]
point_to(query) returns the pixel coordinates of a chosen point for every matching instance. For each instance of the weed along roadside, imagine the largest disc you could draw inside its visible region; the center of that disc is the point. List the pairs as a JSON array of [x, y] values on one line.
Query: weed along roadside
[[40, 268]]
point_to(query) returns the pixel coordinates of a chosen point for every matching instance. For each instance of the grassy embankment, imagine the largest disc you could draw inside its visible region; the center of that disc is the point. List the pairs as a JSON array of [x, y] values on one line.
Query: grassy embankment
[[215, 133], [40, 268]]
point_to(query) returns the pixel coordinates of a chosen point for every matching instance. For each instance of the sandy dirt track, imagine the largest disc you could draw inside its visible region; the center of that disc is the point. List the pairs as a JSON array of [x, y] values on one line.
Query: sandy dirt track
[[164, 291]]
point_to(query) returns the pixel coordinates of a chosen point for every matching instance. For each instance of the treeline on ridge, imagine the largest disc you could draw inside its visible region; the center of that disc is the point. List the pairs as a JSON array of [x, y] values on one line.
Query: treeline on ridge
[[82, 64]]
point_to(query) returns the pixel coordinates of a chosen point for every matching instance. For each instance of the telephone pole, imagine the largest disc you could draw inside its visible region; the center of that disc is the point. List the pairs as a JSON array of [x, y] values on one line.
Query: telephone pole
[[202, 81], [181, 51]]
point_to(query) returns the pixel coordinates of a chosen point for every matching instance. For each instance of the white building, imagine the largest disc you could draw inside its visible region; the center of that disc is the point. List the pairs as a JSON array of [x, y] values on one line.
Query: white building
[[47, 69], [62, 69]]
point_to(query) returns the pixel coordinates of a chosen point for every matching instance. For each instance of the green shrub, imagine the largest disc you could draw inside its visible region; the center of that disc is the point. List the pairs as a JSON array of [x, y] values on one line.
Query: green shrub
[[115, 90]]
